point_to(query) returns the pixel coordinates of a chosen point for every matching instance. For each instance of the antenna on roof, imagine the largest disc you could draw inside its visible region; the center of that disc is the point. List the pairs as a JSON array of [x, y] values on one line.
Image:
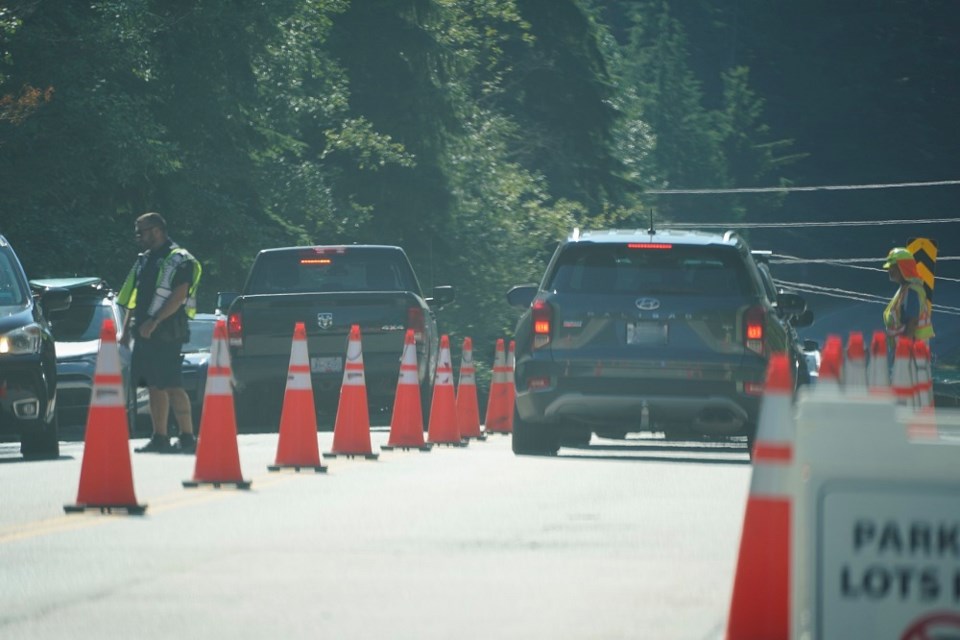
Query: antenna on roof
[[651, 230]]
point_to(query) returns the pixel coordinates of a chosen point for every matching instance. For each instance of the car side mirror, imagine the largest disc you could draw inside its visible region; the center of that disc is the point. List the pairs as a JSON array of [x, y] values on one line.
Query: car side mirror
[[791, 304], [805, 319], [522, 295], [442, 294]]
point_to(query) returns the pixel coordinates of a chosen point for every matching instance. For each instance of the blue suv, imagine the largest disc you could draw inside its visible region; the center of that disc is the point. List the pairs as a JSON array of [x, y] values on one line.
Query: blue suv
[[28, 362], [641, 330]]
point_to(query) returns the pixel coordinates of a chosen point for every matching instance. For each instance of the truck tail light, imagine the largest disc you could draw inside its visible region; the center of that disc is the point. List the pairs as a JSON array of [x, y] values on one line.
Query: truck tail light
[[235, 329], [416, 321], [542, 324], [753, 329]]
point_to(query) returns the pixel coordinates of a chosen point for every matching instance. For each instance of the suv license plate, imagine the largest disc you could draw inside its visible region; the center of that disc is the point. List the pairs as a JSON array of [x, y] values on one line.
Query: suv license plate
[[326, 365], [646, 333]]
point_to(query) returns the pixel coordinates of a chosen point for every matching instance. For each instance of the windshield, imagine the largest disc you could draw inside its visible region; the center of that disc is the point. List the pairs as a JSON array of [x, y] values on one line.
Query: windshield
[[81, 322], [12, 292], [201, 336]]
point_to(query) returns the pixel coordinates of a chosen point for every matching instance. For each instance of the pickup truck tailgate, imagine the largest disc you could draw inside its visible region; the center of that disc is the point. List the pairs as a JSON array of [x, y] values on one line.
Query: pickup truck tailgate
[[327, 318]]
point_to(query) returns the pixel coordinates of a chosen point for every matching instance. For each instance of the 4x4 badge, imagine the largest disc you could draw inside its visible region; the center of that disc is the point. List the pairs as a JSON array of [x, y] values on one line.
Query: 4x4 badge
[[324, 320], [647, 304]]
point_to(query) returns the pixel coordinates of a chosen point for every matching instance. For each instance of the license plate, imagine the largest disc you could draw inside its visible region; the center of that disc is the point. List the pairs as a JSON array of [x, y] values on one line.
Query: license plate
[[326, 365], [646, 333]]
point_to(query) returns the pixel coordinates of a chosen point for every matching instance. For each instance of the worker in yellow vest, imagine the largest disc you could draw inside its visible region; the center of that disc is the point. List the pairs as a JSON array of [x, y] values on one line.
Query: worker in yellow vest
[[908, 312]]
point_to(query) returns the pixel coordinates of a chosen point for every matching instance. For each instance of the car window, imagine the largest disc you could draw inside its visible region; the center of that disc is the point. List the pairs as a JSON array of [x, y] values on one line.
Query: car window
[[12, 292], [629, 269], [80, 322]]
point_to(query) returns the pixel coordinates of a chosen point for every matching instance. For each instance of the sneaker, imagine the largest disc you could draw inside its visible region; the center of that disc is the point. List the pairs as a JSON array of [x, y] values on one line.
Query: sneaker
[[157, 444], [186, 443]]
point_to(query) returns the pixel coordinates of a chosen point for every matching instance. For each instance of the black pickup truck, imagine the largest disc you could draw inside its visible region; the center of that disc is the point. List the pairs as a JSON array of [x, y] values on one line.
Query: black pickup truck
[[328, 288]]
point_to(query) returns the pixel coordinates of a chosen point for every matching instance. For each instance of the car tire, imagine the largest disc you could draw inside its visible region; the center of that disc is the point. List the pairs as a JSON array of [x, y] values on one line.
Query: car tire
[[534, 439], [43, 444]]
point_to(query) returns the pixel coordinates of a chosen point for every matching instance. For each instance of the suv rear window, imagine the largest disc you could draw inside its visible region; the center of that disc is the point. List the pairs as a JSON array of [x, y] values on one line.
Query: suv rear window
[[82, 321], [628, 268]]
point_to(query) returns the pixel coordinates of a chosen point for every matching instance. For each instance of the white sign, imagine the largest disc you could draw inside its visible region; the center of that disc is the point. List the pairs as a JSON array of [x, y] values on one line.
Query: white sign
[[889, 558]]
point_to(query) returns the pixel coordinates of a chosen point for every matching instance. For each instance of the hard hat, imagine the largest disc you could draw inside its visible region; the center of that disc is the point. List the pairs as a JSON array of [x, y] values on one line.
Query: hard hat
[[904, 260]]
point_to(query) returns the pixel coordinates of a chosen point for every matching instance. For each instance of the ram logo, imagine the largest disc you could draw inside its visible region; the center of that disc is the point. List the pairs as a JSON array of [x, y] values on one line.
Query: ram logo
[[647, 304], [324, 320]]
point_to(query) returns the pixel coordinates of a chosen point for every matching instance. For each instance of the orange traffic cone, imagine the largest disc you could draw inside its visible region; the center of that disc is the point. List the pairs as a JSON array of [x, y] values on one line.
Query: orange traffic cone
[[297, 446], [511, 385], [106, 475], [760, 607], [902, 382], [878, 373], [855, 365], [218, 456], [923, 389], [499, 406], [406, 423], [443, 428], [831, 366], [351, 431], [468, 412]]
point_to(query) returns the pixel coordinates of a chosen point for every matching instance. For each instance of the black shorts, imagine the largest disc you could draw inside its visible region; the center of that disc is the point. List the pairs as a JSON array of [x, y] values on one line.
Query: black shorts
[[157, 363]]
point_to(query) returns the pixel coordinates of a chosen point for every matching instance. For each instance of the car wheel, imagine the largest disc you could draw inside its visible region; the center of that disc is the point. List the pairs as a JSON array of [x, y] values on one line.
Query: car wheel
[[534, 439], [43, 443]]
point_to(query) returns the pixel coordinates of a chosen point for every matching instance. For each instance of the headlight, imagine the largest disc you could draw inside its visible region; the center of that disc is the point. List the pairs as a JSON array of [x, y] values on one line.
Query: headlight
[[21, 341]]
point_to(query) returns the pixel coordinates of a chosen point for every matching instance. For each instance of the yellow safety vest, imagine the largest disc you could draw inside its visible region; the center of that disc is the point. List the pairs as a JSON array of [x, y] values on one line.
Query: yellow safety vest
[[168, 266], [892, 315]]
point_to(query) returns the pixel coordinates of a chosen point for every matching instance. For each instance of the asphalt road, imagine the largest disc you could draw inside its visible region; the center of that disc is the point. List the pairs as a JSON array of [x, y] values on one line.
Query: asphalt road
[[618, 540]]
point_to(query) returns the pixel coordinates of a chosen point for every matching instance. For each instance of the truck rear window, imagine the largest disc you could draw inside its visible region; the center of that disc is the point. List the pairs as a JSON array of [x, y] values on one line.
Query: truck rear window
[[311, 271], [609, 268]]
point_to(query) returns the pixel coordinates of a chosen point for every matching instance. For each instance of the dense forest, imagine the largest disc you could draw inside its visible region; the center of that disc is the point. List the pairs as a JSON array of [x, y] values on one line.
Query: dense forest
[[475, 133]]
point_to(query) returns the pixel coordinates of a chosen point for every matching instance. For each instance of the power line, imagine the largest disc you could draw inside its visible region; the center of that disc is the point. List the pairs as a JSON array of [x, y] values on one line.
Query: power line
[[837, 187], [801, 225], [845, 262], [853, 295]]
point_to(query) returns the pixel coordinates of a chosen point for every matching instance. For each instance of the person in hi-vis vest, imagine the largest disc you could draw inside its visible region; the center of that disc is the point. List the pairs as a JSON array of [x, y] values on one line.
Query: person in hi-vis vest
[[908, 312], [159, 296]]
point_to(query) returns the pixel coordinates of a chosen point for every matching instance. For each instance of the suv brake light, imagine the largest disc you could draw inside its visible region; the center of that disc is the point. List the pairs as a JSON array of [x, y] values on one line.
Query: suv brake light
[[753, 329], [235, 329], [415, 321], [542, 323]]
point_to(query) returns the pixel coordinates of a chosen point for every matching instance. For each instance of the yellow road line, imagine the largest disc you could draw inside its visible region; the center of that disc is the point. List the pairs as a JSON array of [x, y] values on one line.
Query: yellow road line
[[169, 502]]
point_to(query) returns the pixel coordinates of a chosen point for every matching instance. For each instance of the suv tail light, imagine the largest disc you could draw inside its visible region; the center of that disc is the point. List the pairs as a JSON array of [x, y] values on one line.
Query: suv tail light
[[542, 323], [235, 329], [753, 329], [416, 321]]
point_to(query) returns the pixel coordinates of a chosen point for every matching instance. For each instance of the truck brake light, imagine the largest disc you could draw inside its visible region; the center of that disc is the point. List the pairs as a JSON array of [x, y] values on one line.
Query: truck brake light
[[416, 321], [753, 331], [235, 329], [542, 323]]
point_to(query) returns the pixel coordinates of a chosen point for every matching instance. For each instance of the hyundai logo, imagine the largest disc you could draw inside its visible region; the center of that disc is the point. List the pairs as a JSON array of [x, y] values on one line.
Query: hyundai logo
[[324, 320], [647, 304]]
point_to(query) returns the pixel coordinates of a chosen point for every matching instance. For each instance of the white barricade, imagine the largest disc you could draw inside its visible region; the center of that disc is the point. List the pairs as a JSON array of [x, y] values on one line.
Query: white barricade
[[876, 525]]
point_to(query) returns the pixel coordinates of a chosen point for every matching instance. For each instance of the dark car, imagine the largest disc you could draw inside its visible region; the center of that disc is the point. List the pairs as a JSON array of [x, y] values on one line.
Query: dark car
[[196, 358], [28, 366], [793, 312], [77, 334], [633, 331]]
